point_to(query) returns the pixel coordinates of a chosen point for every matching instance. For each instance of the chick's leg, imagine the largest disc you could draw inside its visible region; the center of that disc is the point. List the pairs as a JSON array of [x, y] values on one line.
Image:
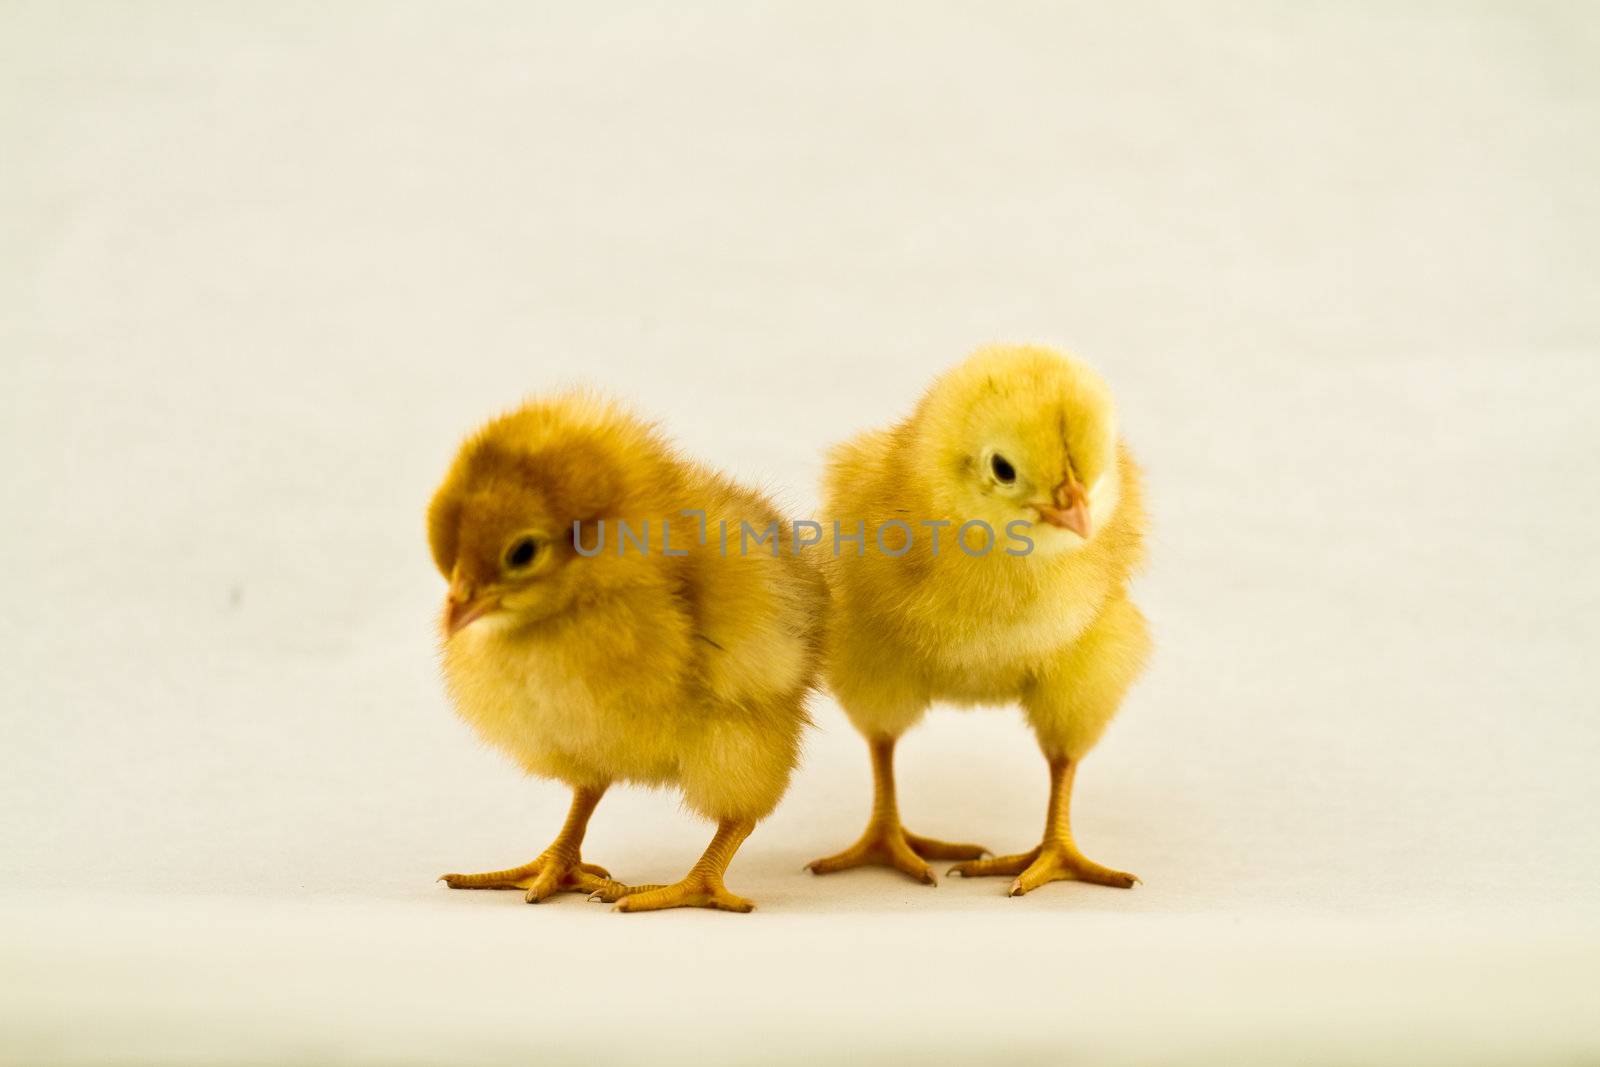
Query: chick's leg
[[1057, 858], [558, 869], [702, 887], [886, 843]]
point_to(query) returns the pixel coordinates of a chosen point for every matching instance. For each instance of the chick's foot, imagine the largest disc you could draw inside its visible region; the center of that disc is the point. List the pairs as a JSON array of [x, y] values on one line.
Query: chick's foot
[[695, 891], [1053, 861], [544, 877], [888, 844], [702, 887]]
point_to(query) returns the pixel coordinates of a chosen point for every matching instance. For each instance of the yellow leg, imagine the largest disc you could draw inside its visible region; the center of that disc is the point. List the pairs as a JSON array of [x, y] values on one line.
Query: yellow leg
[[1057, 858], [702, 887], [886, 843], [558, 869]]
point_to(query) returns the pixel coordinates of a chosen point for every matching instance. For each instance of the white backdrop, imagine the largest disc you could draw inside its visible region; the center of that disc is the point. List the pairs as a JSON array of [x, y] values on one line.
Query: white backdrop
[[262, 265]]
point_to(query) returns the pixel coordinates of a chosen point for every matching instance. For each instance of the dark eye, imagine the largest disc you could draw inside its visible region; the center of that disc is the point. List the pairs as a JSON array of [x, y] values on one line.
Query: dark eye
[[521, 553], [1003, 470]]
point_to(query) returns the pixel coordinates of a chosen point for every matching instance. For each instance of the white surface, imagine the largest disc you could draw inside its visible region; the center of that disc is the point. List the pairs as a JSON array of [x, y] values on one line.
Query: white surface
[[261, 266]]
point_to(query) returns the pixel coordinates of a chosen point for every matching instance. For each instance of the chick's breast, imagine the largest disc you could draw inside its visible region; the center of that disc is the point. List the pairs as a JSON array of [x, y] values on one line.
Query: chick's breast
[[589, 698]]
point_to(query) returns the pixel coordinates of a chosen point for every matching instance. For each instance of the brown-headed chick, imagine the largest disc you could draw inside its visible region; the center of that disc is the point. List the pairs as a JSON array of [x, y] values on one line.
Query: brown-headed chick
[[598, 631]]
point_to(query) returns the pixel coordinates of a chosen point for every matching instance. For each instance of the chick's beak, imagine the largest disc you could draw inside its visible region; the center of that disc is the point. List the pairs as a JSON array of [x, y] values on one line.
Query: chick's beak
[[463, 607], [1070, 510]]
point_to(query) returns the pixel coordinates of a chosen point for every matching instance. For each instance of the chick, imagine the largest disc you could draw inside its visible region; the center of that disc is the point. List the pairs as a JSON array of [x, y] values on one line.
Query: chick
[[597, 631], [1026, 441]]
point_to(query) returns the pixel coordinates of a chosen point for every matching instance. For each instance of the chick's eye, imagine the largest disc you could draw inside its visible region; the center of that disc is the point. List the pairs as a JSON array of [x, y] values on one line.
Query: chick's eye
[[1002, 468], [521, 552]]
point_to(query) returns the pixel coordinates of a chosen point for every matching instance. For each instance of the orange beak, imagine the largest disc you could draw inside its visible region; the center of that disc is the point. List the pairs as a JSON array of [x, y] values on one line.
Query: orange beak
[[1071, 510], [462, 608]]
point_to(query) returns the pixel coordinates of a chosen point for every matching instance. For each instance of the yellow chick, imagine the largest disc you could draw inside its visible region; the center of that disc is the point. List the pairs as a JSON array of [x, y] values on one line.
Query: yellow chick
[[598, 631], [1018, 449]]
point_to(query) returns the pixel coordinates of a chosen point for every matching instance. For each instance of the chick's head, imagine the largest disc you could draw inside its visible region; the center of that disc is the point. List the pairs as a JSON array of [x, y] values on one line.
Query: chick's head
[[1021, 433], [502, 525]]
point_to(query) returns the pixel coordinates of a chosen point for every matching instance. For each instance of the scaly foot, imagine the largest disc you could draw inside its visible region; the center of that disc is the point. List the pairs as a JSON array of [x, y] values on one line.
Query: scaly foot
[[888, 844], [1053, 861], [544, 877], [695, 891]]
